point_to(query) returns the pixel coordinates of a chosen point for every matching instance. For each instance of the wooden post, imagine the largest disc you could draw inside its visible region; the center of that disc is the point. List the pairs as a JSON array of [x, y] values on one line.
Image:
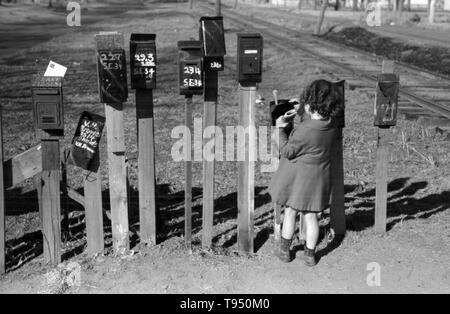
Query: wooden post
[[117, 176], [337, 211], [382, 168], [2, 204], [113, 92], [51, 200], [276, 154], [146, 166], [246, 169], [93, 212], [209, 119], [188, 174]]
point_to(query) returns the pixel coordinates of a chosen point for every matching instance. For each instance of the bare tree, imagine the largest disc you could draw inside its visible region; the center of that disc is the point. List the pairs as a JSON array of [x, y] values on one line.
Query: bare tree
[[299, 4], [321, 17], [432, 11], [236, 2], [355, 5]]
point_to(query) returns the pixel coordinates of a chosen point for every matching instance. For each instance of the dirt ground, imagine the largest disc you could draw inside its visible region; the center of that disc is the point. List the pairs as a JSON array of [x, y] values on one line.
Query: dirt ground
[[413, 255]]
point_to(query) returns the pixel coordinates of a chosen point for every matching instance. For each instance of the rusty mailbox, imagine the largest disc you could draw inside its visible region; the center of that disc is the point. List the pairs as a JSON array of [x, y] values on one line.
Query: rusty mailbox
[[143, 61], [47, 97], [386, 99], [249, 55], [190, 58]]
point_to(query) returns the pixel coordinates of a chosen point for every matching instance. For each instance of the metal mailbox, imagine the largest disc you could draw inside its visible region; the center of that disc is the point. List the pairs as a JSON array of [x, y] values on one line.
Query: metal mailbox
[[250, 54], [213, 39], [112, 71], [190, 58], [386, 100], [143, 61], [47, 98]]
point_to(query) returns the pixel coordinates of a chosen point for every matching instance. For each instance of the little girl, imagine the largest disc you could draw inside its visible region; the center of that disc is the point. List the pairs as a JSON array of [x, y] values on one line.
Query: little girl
[[302, 181]]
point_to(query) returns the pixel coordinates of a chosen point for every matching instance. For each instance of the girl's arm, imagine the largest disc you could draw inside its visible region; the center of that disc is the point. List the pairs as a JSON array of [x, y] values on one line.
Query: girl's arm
[[290, 147]]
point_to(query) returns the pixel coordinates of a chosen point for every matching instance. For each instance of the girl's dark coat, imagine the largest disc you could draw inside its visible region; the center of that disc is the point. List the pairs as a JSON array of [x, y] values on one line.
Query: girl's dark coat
[[303, 178]]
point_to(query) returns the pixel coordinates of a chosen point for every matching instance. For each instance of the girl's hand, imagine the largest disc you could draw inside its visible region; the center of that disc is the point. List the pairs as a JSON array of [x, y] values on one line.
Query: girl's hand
[[280, 123]]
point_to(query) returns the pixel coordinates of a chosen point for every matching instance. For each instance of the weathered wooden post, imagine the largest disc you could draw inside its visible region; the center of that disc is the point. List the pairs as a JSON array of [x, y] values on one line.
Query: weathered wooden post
[[249, 68], [86, 155], [385, 116], [276, 155], [143, 79], [47, 96], [212, 36], [2, 203], [337, 207], [190, 81], [113, 92]]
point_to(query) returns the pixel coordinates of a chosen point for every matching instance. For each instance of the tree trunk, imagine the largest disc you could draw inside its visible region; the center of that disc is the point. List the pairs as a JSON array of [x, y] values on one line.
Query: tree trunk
[[299, 4], [400, 6], [315, 4], [235, 4], [191, 4], [321, 17], [355, 5], [218, 8], [50, 3], [336, 5], [408, 5], [432, 11]]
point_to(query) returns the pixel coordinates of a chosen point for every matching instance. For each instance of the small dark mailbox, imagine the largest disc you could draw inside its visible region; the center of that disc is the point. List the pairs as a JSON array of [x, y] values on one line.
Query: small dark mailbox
[[190, 59], [112, 70], [143, 61], [386, 99], [213, 38], [249, 54], [339, 116], [47, 96]]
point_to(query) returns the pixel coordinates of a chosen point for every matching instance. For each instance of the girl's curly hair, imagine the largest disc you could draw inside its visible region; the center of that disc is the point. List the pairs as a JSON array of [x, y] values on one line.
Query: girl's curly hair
[[323, 97]]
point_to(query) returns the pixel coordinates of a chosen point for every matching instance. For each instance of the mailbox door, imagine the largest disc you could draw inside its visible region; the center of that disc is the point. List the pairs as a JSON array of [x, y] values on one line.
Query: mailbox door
[[112, 75], [250, 52], [386, 100], [143, 61]]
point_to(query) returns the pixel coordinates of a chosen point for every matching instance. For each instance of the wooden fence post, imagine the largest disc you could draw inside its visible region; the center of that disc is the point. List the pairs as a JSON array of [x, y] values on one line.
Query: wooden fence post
[[382, 168], [210, 115], [337, 206], [113, 92], [146, 166], [188, 173], [246, 169], [2, 203], [93, 211], [51, 200]]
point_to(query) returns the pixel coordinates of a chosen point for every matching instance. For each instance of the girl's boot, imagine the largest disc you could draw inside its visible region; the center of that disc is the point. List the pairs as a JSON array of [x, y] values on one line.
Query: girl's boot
[[284, 253], [310, 257]]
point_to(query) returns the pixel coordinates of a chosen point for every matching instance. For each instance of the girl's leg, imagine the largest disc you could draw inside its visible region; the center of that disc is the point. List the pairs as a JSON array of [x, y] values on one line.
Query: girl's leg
[[312, 230], [288, 223]]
